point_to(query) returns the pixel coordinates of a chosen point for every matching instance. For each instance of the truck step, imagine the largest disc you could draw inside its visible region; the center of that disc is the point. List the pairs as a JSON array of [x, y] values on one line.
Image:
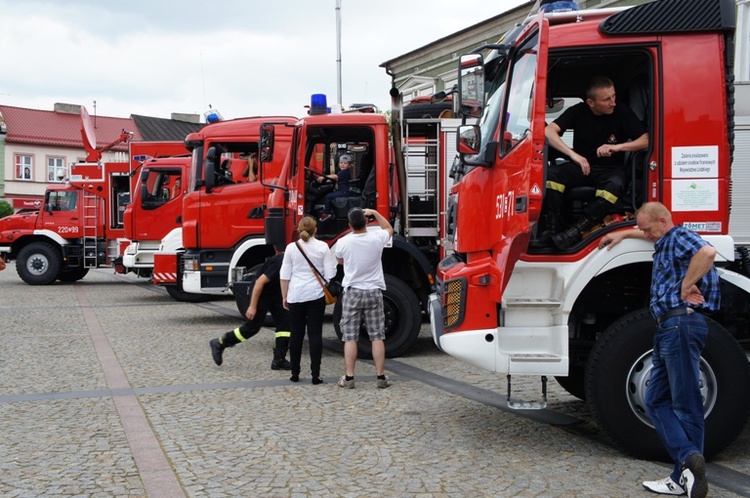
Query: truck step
[[535, 357], [532, 303], [518, 404]]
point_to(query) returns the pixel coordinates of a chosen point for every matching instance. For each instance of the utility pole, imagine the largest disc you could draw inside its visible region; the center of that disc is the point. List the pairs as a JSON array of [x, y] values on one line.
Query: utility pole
[[340, 100]]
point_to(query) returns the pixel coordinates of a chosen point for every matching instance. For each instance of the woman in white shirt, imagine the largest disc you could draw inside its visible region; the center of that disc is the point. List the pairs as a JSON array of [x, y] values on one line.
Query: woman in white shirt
[[303, 295]]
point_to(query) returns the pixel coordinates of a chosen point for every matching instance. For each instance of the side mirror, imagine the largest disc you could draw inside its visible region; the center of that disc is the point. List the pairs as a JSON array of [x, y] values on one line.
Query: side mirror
[[469, 139], [144, 194], [471, 85], [209, 169], [266, 143], [144, 175]]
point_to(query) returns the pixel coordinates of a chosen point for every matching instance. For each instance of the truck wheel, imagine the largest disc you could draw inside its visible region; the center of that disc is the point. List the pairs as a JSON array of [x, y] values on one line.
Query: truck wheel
[[574, 382], [618, 372], [38, 263], [186, 297], [72, 274], [242, 299], [403, 319]]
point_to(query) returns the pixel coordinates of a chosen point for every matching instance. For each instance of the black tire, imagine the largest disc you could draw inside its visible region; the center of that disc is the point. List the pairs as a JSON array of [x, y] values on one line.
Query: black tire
[[72, 274], [618, 371], [38, 263], [186, 297], [403, 319], [242, 299], [574, 383], [425, 110]]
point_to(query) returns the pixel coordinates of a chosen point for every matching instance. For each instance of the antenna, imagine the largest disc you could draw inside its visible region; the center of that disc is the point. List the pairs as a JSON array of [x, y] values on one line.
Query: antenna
[[203, 81], [95, 119], [338, 50]]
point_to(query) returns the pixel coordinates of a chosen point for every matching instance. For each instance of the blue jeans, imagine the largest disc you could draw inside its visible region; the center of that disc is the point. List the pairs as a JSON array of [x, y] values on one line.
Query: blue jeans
[[329, 200], [673, 398]]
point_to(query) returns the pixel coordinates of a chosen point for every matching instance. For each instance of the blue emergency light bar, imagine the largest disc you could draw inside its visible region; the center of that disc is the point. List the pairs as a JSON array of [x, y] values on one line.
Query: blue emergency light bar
[[141, 157], [319, 104], [558, 5]]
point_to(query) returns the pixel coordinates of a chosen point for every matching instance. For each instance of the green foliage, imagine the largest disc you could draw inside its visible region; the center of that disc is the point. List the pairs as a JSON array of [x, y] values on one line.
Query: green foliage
[[5, 209]]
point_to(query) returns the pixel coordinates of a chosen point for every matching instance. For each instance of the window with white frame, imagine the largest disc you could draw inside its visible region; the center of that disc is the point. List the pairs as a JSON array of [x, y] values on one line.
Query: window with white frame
[[24, 167], [55, 169]]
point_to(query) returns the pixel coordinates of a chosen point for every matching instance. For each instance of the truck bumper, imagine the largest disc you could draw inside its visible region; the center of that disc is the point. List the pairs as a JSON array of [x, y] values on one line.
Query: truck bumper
[[165, 268]]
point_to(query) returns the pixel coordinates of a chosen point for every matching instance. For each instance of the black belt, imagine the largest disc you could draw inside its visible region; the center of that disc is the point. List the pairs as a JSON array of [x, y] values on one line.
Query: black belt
[[675, 312]]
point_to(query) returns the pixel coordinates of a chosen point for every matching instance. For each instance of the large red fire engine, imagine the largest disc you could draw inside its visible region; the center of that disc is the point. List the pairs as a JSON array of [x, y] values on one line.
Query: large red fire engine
[[223, 209], [581, 315], [81, 223], [404, 182]]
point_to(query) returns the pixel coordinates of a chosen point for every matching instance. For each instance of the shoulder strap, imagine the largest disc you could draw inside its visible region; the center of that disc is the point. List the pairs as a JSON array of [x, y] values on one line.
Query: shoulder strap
[[321, 278]]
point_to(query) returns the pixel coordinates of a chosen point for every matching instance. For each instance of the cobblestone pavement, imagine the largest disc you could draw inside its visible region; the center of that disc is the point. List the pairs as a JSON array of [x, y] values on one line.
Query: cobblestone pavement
[[107, 388]]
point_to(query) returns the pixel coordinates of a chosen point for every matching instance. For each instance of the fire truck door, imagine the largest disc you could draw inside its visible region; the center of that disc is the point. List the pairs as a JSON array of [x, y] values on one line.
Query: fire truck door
[[518, 183], [62, 213]]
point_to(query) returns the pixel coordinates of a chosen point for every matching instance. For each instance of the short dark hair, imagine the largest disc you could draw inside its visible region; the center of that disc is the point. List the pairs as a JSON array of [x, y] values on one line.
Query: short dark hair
[[597, 83], [357, 218]]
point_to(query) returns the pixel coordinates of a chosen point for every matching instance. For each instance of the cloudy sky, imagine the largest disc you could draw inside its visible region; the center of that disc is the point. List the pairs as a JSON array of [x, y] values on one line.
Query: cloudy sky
[[243, 57]]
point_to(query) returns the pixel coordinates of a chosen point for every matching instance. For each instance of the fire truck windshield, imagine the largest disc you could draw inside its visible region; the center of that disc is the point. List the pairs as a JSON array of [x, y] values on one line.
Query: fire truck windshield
[[496, 71]]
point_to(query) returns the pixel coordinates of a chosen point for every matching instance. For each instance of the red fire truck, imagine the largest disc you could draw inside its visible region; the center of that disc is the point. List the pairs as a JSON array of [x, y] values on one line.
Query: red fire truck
[[581, 314], [157, 205], [221, 234], [404, 182], [81, 223]]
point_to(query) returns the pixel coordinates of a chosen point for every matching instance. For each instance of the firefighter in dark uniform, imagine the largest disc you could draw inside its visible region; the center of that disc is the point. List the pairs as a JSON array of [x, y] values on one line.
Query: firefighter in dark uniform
[[603, 132], [265, 297]]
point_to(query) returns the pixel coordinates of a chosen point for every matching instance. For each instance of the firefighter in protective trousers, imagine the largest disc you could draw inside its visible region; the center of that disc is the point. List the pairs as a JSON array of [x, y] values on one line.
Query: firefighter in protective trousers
[[265, 297]]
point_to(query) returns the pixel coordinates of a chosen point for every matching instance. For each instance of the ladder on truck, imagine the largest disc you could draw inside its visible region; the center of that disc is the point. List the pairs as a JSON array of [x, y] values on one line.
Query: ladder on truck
[[90, 229], [421, 151]]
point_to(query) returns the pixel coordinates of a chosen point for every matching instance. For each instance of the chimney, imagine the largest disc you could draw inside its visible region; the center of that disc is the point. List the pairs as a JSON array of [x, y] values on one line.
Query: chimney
[[67, 108], [188, 118]]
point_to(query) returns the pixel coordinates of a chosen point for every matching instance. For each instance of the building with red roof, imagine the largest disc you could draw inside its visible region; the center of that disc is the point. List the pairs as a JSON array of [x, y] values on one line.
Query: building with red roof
[[37, 145]]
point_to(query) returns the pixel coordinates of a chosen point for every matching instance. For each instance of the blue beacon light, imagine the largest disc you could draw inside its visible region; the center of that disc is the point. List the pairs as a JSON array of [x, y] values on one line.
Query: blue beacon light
[[318, 104]]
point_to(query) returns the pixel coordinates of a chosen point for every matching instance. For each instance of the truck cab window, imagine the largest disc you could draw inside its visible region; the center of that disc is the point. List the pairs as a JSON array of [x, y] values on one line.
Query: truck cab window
[[519, 110]]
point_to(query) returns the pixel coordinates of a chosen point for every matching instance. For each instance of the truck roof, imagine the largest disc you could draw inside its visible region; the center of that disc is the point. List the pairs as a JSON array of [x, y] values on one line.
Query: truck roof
[[351, 118], [239, 127]]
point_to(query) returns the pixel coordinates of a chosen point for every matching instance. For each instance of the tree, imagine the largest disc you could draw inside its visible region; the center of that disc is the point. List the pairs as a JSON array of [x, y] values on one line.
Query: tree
[[5, 209]]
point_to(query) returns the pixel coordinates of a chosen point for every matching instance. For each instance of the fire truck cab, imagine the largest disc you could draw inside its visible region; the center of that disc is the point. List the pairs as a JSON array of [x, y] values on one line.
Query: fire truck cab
[[156, 207], [378, 181]]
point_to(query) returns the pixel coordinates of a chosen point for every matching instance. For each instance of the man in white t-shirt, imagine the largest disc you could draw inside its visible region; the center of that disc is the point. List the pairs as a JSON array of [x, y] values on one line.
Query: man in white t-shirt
[[360, 252]]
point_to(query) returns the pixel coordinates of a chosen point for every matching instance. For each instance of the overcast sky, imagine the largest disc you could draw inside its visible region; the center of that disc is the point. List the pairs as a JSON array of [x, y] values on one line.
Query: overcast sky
[[243, 57]]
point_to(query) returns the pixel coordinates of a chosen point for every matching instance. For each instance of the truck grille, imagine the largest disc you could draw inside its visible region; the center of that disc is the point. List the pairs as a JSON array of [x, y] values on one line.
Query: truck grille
[[454, 295]]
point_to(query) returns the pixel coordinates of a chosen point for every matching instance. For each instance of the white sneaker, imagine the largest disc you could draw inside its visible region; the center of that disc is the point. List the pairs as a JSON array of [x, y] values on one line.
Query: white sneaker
[[346, 384], [665, 486], [694, 476]]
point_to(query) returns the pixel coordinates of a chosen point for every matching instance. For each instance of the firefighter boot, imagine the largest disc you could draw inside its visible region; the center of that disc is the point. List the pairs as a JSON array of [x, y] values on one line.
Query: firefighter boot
[[279, 352], [217, 351], [551, 227], [228, 340], [572, 235], [550, 219]]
